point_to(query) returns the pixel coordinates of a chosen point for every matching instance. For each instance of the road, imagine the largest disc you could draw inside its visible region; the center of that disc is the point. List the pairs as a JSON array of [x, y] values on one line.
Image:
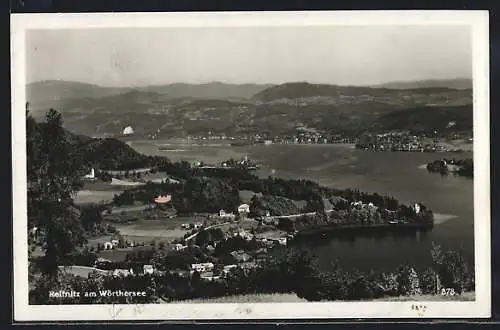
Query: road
[[209, 227], [291, 216]]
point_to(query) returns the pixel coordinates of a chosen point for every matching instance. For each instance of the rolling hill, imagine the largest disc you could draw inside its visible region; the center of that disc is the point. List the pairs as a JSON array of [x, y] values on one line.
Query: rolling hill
[[180, 109], [45, 93], [426, 119], [52, 93], [320, 93], [107, 153]]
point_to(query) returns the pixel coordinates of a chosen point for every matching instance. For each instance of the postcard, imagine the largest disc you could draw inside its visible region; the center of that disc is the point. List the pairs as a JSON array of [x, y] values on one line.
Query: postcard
[[251, 165]]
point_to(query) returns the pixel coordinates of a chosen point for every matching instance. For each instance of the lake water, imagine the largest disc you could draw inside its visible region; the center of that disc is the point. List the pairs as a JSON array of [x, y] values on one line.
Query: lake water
[[341, 166]]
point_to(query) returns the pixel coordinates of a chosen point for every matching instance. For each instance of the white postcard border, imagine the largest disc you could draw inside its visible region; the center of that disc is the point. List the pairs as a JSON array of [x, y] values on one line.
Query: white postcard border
[[481, 307]]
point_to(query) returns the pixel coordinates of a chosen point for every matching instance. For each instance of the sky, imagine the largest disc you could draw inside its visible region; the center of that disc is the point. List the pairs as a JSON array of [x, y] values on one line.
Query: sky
[[332, 55]]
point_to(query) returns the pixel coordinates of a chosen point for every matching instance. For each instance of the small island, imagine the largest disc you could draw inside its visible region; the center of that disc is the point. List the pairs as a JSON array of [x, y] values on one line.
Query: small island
[[461, 167]]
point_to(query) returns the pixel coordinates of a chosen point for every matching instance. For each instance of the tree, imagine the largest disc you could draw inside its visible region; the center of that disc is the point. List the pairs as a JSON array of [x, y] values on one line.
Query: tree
[[90, 216], [54, 175], [428, 281]]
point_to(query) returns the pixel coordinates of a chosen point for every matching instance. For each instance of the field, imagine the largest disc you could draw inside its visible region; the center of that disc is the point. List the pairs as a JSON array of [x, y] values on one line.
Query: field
[[249, 298], [103, 186], [81, 271], [246, 196], [100, 192], [95, 196], [146, 230], [291, 297], [467, 296], [117, 255], [124, 183]]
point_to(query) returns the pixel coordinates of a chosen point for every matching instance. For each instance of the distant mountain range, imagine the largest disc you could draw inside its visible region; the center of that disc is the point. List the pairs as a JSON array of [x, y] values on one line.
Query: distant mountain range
[[54, 90], [185, 109]]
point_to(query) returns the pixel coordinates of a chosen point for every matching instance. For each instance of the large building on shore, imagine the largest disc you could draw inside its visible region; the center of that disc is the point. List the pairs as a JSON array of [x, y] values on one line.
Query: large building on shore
[[128, 130]]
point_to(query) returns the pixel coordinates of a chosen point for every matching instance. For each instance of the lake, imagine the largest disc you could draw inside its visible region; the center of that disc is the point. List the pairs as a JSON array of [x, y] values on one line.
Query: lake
[[398, 174]]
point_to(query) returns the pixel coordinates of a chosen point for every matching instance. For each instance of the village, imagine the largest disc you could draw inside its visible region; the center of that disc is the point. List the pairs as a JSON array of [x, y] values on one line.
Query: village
[[211, 245], [404, 141], [238, 229]]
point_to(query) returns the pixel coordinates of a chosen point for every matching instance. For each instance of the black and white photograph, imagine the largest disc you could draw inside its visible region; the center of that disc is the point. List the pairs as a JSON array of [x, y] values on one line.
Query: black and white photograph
[[185, 166]]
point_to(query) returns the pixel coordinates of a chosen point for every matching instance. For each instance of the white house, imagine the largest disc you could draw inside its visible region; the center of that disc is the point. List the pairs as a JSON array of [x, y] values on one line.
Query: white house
[[203, 267], [91, 175], [108, 246], [223, 214], [148, 269], [179, 247], [271, 221], [244, 234], [101, 261], [416, 207], [163, 199], [128, 130], [121, 272], [244, 209], [34, 231], [358, 203], [282, 240], [227, 268], [210, 277]]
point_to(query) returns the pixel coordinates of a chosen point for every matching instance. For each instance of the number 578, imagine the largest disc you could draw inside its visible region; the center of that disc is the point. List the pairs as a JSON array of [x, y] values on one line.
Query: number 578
[[448, 292]]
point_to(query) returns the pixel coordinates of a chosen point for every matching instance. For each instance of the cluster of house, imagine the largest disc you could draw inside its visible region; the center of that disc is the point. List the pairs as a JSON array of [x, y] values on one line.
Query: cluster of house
[[188, 226], [400, 141], [243, 210], [113, 244], [244, 234], [267, 219], [310, 138], [270, 242], [245, 162], [361, 205], [206, 270], [91, 176], [416, 207], [179, 247], [104, 263], [450, 165], [203, 267]]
